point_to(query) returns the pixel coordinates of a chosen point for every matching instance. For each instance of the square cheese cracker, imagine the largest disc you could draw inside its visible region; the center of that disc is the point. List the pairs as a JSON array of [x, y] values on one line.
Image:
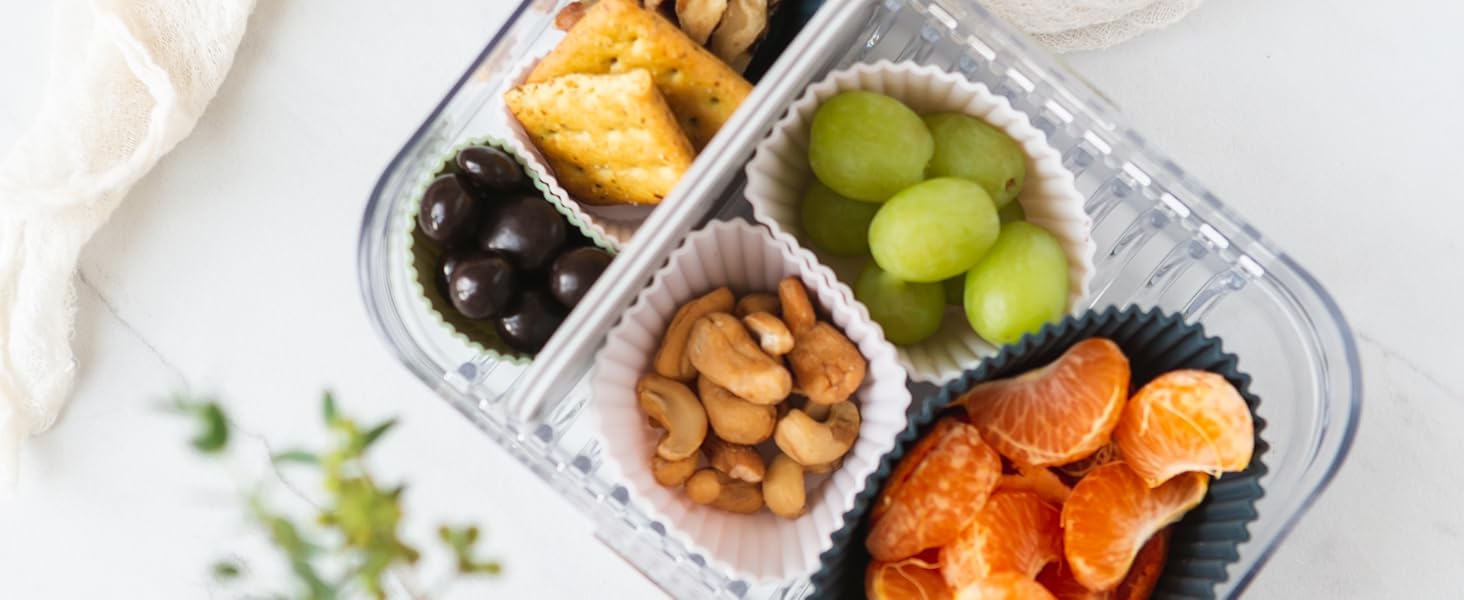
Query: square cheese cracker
[[611, 139], [616, 36]]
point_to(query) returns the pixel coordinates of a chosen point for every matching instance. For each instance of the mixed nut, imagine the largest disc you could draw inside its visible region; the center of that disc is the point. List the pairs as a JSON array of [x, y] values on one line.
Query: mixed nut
[[764, 368], [731, 29]]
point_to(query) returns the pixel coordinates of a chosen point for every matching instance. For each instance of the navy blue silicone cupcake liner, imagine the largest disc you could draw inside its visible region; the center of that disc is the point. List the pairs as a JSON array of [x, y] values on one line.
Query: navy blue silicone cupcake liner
[[1202, 545]]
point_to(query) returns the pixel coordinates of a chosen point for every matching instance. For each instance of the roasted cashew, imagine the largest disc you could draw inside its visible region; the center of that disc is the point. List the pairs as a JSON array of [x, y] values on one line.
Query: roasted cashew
[[714, 488], [813, 443], [699, 17], [758, 302], [783, 487], [798, 311], [734, 419], [825, 468], [772, 335], [671, 359], [818, 412], [744, 24], [672, 473], [828, 366], [673, 406], [722, 351], [737, 461]]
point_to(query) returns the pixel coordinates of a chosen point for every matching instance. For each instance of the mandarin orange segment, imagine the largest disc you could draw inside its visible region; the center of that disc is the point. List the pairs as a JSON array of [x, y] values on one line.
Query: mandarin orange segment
[[1056, 414], [1183, 421], [938, 494], [907, 465], [1004, 586], [1139, 584], [1144, 575], [1038, 480], [904, 580], [1058, 578], [1016, 531], [1112, 513]]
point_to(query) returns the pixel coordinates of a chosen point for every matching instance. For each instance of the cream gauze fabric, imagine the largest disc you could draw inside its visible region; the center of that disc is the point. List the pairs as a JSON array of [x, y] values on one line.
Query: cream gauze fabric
[[128, 80], [1071, 25]]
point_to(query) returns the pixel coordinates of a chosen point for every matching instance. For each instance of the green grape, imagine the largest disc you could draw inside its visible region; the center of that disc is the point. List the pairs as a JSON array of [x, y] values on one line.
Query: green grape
[[1019, 285], [908, 312], [933, 230], [955, 290], [1011, 212], [969, 148], [836, 224], [867, 146]]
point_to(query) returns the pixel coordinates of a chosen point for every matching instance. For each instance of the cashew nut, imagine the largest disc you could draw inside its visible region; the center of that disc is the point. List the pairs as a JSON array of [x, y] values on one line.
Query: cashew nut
[[673, 406], [812, 442], [671, 359], [716, 489], [672, 473], [772, 335], [829, 367], [723, 352], [738, 462], [798, 311], [699, 17], [825, 468], [783, 488], [734, 419], [744, 24], [758, 302]]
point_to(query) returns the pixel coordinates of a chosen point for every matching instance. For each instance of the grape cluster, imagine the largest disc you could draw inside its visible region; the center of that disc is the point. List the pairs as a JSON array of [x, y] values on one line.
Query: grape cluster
[[932, 200]]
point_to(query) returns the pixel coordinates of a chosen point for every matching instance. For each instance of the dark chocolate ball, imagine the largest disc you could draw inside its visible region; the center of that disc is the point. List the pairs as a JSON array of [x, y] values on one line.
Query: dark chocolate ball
[[448, 213], [481, 286], [530, 320], [490, 168], [572, 274], [524, 228]]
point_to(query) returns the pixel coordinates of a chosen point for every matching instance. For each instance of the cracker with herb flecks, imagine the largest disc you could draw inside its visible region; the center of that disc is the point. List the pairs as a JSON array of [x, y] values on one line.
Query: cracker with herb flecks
[[611, 139], [616, 36]]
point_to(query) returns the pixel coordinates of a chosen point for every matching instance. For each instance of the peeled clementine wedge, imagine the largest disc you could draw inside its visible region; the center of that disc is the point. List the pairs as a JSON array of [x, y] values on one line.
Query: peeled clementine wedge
[[1112, 513], [904, 580], [1015, 532], [1004, 586], [907, 465], [1056, 414], [1058, 578], [1038, 480], [929, 503], [1185, 421], [1144, 574]]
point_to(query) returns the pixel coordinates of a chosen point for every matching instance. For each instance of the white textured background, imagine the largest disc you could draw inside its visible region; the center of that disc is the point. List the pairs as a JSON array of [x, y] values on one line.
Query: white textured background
[[1333, 125]]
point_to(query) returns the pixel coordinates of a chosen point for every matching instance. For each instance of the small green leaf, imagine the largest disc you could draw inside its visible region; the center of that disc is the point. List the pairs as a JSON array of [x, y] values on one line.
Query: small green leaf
[[296, 456], [225, 570], [376, 432], [328, 407], [215, 435]]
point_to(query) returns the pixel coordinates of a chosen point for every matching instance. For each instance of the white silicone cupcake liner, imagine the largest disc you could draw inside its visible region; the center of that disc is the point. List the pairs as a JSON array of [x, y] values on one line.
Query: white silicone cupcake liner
[[424, 256], [746, 258], [617, 222], [779, 172]]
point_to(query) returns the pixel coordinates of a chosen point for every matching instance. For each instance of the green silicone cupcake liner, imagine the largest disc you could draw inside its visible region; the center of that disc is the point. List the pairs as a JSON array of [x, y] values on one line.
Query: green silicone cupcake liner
[[424, 254], [1201, 545]]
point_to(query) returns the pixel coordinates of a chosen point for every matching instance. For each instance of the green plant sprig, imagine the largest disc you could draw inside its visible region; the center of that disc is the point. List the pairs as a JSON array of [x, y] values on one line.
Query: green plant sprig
[[353, 542]]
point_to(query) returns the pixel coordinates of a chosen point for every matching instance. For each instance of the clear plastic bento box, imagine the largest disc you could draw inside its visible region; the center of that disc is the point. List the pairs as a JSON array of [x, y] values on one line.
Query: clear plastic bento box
[[1162, 240]]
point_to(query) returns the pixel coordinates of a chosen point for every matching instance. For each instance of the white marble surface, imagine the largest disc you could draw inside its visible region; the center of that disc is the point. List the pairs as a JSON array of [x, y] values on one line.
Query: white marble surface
[[1333, 125]]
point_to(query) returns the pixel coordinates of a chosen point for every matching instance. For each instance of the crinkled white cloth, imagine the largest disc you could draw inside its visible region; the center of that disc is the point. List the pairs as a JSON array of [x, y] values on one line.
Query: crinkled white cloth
[[1069, 25], [128, 80]]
